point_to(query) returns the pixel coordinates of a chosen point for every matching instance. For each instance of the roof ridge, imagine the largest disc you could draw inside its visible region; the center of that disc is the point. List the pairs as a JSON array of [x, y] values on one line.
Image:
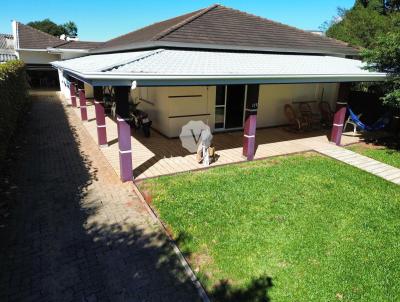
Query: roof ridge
[[144, 56], [184, 22], [42, 32], [285, 25]]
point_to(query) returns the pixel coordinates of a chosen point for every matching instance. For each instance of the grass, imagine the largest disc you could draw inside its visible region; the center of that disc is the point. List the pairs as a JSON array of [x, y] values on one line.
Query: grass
[[320, 229], [381, 153]]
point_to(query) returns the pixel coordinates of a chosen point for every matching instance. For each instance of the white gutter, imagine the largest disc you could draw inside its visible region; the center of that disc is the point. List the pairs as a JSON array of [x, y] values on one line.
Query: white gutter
[[32, 49], [64, 50]]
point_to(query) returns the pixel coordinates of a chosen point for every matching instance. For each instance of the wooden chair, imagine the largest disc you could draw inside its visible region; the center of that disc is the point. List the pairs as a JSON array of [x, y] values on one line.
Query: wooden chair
[[307, 114], [326, 113], [295, 122]]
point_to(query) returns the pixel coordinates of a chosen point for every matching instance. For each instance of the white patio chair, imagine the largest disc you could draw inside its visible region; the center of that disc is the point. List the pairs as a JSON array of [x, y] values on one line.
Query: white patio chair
[[349, 121]]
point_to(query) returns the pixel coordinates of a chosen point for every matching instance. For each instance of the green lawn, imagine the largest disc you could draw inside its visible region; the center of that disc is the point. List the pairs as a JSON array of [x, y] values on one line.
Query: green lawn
[[383, 154], [322, 230]]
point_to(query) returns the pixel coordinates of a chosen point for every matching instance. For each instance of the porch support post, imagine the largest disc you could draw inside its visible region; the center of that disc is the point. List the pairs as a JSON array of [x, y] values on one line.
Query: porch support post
[[82, 102], [72, 92], [124, 132], [100, 116], [249, 137], [340, 113]]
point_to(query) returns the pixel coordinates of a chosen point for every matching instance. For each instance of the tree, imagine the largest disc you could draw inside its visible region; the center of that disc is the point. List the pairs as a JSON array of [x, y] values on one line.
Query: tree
[[364, 22], [385, 57], [47, 26], [69, 28]]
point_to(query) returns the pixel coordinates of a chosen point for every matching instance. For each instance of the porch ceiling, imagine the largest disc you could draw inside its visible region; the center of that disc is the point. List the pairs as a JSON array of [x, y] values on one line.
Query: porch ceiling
[[163, 67]]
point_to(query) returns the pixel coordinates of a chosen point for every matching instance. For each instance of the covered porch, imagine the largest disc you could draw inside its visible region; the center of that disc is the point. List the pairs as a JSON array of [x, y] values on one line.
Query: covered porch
[[158, 155], [134, 156]]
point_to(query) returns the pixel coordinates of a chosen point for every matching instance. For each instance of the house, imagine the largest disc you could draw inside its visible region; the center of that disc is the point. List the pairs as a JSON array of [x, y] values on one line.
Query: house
[[37, 49], [7, 52], [230, 69]]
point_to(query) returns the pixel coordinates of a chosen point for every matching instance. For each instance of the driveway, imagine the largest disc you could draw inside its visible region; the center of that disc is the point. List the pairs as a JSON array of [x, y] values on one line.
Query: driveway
[[75, 232]]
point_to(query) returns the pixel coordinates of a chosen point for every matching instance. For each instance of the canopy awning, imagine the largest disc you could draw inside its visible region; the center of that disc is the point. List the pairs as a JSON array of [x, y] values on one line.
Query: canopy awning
[[166, 67]]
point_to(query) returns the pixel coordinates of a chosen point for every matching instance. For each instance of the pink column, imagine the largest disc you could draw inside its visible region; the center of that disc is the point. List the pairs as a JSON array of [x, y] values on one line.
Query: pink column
[[249, 135], [125, 149], [72, 92], [82, 104], [340, 113], [124, 132], [100, 116], [338, 120]]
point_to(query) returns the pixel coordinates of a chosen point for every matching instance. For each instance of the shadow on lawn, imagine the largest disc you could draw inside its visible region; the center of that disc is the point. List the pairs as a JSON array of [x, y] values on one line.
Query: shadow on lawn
[[389, 141], [257, 290], [224, 291]]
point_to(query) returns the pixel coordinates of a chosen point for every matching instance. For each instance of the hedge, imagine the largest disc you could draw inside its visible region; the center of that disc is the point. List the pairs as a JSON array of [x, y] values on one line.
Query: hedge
[[13, 100]]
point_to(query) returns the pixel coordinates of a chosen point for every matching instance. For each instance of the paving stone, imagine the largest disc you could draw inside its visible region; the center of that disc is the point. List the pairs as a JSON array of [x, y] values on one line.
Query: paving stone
[[362, 162], [70, 233]]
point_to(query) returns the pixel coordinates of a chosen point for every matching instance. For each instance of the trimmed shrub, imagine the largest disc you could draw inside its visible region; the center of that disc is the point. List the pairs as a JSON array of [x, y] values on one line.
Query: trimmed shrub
[[13, 100]]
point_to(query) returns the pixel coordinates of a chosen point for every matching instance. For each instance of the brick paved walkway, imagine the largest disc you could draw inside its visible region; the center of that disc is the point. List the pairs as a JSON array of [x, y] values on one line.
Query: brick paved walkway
[[76, 233]]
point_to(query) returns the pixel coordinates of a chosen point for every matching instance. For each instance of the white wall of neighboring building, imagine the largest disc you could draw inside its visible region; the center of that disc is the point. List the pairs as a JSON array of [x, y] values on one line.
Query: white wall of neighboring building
[[37, 57], [71, 55], [64, 88]]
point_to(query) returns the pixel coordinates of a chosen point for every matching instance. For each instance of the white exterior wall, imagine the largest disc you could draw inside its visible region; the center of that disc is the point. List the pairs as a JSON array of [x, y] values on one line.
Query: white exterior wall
[[172, 107], [37, 57], [88, 91], [63, 84], [71, 55], [272, 98], [168, 114]]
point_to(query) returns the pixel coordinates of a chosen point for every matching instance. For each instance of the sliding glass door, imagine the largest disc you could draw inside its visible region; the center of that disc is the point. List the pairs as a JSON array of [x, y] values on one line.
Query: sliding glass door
[[229, 106]]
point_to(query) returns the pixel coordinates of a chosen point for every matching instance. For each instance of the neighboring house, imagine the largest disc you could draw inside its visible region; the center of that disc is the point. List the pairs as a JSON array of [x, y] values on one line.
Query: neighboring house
[[37, 49], [227, 68], [7, 52]]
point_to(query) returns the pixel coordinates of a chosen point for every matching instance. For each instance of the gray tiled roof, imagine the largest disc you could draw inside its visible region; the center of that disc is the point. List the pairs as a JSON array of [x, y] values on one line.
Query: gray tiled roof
[[4, 57], [6, 41], [194, 63], [221, 26], [7, 52], [31, 38], [79, 45]]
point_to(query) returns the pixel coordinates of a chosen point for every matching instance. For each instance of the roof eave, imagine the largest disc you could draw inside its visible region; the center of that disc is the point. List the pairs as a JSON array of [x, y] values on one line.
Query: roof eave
[[166, 44], [126, 79]]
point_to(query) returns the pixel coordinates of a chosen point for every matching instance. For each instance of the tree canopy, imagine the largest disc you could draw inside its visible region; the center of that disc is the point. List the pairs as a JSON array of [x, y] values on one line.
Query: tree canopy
[[375, 26], [365, 22], [69, 28], [385, 57]]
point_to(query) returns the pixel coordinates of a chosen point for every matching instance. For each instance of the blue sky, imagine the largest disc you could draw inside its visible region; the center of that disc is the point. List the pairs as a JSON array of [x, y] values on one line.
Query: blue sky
[[104, 19]]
